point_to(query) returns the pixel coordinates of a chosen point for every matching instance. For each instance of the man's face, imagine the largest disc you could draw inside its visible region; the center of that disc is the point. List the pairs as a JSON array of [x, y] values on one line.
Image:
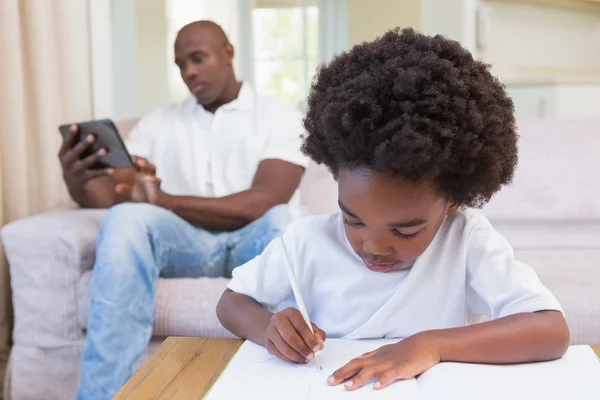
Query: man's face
[[204, 61]]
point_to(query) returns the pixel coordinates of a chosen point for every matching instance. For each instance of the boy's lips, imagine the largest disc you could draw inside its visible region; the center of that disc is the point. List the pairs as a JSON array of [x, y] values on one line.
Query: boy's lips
[[376, 267]]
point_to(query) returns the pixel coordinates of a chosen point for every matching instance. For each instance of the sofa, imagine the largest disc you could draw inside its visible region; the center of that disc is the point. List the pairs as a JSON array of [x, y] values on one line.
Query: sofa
[[550, 214]]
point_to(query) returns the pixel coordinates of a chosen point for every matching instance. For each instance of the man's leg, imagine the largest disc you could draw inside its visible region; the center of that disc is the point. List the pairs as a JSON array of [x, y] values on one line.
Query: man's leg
[[136, 243], [250, 241]]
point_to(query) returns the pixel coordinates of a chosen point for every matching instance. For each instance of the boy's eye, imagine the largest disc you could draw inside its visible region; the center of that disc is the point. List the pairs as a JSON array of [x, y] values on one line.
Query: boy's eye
[[405, 235]]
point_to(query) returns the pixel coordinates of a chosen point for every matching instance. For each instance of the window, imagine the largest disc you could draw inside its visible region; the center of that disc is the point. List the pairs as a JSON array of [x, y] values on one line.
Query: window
[[285, 50], [277, 41]]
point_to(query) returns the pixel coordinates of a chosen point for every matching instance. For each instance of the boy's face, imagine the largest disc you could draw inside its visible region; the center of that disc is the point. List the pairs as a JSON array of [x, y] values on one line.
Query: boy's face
[[389, 221]]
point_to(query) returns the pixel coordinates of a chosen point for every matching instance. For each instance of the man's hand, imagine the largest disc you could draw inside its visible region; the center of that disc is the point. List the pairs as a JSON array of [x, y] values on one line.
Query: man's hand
[[145, 189], [77, 172], [143, 165], [404, 360], [289, 338]]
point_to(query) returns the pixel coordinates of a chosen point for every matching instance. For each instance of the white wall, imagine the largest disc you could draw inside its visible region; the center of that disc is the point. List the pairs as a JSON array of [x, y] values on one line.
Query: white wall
[[526, 41], [139, 57], [99, 12], [369, 19], [452, 18], [124, 60]]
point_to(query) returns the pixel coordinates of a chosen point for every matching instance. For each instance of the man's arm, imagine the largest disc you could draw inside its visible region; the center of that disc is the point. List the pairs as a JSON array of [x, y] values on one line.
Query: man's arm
[[274, 183]]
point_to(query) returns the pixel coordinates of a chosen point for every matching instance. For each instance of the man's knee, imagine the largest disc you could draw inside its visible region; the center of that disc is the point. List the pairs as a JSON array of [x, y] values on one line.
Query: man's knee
[[126, 216], [126, 228], [129, 222], [279, 217]]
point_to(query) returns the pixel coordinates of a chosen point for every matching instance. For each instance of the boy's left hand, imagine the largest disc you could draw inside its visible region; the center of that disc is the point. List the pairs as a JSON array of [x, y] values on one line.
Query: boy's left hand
[[403, 360]]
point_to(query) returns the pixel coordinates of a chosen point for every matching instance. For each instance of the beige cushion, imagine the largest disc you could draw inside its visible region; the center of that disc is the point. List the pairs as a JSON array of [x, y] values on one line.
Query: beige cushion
[[557, 176]]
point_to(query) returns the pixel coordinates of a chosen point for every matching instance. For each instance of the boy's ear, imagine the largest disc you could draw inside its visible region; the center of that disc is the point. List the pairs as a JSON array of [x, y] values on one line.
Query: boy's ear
[[452, 208]]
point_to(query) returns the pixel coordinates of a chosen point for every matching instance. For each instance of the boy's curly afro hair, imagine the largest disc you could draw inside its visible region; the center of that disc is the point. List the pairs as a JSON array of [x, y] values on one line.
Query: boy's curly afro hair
[[417, 106]]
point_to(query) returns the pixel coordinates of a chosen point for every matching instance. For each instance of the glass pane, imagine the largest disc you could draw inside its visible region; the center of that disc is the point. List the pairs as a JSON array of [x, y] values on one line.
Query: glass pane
[[283, 78], [278, 33], [312, 31]]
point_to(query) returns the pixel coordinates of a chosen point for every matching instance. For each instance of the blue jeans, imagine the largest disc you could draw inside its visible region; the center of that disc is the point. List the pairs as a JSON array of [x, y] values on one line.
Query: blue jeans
[[137, 244]]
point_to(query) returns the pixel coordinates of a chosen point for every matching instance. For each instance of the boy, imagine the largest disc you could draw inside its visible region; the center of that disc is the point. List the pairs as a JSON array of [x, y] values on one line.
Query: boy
[[417, 134]]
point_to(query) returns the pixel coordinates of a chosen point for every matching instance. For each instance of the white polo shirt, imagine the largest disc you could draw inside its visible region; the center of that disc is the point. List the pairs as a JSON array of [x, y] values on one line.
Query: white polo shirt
[[199, 153]]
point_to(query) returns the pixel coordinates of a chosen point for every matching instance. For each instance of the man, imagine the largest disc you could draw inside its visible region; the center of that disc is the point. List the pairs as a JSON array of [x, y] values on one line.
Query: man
[[210, 191]]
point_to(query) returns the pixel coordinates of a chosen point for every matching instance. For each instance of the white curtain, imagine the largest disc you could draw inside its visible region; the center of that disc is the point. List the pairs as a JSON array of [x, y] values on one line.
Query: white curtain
[[45, 80], [333, 28]]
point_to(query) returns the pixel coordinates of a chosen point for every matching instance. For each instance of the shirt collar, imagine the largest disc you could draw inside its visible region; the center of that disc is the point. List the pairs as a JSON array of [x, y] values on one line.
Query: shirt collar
[[243, 102]]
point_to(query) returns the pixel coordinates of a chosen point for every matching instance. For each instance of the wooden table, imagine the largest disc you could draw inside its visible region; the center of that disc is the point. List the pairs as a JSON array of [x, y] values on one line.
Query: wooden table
[[185, 368]]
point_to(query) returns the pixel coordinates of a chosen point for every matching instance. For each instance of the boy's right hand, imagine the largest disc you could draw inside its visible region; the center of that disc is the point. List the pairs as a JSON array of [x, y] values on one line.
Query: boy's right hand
[[289, 338]]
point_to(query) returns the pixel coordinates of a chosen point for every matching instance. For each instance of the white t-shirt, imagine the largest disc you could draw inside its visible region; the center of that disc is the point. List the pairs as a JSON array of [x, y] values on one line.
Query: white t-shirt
[[467, 270], [198, 153]]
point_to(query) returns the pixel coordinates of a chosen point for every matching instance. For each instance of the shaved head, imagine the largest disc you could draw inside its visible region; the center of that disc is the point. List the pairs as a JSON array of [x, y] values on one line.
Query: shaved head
[[204, 56], [204, 27]]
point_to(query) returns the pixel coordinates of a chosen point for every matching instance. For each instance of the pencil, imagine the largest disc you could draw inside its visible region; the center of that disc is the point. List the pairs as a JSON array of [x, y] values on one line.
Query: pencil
[[299, 299]]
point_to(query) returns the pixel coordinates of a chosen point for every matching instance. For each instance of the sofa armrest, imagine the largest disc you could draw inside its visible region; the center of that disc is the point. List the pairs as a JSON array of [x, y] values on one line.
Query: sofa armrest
[[47, 254]]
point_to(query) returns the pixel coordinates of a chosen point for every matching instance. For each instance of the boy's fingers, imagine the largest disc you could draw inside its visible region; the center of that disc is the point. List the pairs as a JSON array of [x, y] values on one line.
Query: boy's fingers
[[364, 376], [310, 342], [272, 349], [347, 371], [290, 333], [369, 354], [285, 349], [390, 376], [320, 335]]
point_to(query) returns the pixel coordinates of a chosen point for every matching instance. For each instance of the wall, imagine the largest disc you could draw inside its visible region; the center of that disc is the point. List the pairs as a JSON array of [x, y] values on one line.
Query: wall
[[452, 18], [370, 19], [539, 42], [140, 57], [124, 60], [153, 57]]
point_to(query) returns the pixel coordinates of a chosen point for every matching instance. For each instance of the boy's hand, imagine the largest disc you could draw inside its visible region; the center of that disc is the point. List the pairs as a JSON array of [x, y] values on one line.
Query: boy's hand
[[289, 338], [403, 360]]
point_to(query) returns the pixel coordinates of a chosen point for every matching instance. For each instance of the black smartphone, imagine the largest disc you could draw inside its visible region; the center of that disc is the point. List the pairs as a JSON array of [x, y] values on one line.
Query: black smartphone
[[107, 136]]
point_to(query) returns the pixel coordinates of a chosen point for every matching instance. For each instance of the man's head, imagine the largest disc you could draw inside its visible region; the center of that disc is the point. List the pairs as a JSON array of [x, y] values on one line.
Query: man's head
[[413, 128], [205, 59]]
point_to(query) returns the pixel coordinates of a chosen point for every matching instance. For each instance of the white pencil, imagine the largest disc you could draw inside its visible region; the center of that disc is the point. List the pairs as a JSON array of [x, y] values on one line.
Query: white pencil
[[298, 296]]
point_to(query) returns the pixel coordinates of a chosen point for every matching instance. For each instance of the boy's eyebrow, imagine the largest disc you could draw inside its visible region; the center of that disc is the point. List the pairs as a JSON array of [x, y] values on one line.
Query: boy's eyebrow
[[345, 209], [403, 224]]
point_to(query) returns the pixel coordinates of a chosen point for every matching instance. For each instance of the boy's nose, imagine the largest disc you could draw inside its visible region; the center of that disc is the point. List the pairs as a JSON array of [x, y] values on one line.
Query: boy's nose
[[377, 248]]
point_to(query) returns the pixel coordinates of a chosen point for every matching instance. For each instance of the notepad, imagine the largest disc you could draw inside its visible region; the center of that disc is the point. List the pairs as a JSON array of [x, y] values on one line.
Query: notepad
[[254, 374]]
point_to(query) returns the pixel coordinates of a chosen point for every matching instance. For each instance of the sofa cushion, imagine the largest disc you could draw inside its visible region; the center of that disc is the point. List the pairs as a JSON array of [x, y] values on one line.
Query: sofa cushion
[[540, 235], [184, 307], [573, 276], [559, 162], [318, 190]]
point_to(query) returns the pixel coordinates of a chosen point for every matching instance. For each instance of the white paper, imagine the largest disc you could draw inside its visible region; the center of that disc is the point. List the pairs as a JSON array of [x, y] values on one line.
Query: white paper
[[576, 376], [254, 374]]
